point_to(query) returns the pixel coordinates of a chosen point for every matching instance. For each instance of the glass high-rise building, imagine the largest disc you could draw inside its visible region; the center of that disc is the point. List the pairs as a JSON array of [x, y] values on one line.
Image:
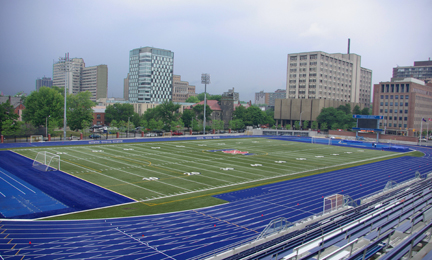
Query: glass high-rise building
[[150, 75]]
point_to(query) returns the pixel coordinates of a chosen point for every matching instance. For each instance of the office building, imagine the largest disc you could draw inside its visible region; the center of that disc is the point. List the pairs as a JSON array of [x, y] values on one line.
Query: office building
[[421, 70], [79, 78], [403, 104], [126, 88], [43, 82], [320, 75], [181, 89], [269, 98], [150, 75]]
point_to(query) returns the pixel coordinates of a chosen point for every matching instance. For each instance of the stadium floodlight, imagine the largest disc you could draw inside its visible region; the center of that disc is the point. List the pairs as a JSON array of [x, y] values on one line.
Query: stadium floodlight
[[66, 67], [205, 79]]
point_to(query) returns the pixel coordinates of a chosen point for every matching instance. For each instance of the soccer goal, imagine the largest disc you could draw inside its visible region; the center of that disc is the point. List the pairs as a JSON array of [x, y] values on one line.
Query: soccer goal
[[333, 202], [321, 140], [167, 134], [46, 161], [36, 138]]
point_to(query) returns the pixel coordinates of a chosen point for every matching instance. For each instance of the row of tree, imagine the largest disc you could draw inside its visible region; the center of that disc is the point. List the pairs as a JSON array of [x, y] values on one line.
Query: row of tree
[[46, 107]]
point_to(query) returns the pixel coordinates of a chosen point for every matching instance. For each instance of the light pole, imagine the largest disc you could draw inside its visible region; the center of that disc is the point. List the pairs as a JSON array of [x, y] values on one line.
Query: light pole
[[128, 127], [66, 68], [205, 79], [46, 126]]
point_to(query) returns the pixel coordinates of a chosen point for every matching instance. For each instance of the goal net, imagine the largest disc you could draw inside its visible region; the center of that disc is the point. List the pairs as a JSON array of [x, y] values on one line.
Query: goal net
[[167, 134], [321, 140], [46, 161], [333, 202], [36, 138]]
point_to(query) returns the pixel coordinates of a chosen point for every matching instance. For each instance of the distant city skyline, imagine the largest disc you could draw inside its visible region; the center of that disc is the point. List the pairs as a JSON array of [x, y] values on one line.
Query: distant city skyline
[[243, 47]]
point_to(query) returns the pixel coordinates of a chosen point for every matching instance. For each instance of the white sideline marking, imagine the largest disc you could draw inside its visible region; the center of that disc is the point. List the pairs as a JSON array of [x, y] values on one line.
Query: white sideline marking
[[155, 147], [17, 182], [280, 161], [301, 159], [319, 156], [348, 152], [97, 151], [180, 146], [226, 169], [257, 164], [128, 149], [334, 154]]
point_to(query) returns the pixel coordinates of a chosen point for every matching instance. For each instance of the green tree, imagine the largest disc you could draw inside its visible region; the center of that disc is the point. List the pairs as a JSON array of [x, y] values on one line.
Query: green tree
[[152, 124], [167, 112], [288, 127], [118, 112], [160, 124], [356, 110], [135, 119], [314, 125], [217, 125], [216, 97], [79, 109], [346, 109], [7, 114], [199, 111], [305, 124], [240, 113], [143, 123], [335, 126], [177, 125], [324, 126], [200, 96], [236, 124], [113, 123], [11, 127], [85, 126], [192, 99], [365, 111], [196, 125], [46, 102], [187, 117], [254, 116], [297, 125]]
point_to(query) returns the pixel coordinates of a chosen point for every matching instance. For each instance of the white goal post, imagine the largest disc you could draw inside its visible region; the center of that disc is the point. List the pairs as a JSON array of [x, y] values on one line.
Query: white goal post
[[46, 161], [36, 138], [321, 140]]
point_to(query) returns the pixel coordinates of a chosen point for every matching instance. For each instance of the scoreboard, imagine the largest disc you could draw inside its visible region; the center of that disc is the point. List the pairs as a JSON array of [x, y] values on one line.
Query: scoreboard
[[367, 122]]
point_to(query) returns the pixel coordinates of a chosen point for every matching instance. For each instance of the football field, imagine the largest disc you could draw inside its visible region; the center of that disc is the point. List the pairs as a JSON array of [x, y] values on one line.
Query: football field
[[149, 171]]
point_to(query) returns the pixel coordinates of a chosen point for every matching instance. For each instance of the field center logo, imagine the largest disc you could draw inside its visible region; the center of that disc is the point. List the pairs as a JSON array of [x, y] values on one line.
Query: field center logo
[[235, 152], [231, 151]]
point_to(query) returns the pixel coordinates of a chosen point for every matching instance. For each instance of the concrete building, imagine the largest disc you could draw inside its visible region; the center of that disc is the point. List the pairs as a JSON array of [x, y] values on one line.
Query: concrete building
[[43, 82], [99, 115], [289, 110], [403, 103], [181, 90], [150, 75], [336, 76], [233, 94], [80, 78], [269, 98], [421, 70], [227, 107], [95, 80]]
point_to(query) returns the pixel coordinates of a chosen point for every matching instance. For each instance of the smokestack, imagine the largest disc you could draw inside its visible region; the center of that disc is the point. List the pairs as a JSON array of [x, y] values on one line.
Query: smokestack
[[349, 43]]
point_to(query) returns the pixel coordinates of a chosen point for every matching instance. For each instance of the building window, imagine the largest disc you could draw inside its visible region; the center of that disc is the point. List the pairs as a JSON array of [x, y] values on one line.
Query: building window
[[386, 103], [382, 88], [390, 124], [400, 118], [381, 110], [405, 125], [406, 111], [390, 118], [406, 104], [386, 96], [391, 103], [406, 97], [405, 118], [391, 110], [391, 96], [385, 111], [381, 103], [407, 88], [396, 97], [98, 116]]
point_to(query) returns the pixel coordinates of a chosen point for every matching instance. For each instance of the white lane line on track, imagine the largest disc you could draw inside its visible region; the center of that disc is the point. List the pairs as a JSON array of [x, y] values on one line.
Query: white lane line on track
[[18, 182]]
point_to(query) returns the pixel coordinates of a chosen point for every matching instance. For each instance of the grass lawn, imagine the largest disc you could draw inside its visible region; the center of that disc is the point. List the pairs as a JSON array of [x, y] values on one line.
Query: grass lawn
[[129, 168]]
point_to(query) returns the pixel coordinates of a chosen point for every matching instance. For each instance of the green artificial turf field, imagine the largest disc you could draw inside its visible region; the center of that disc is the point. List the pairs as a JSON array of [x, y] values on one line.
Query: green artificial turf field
[[153, 173]]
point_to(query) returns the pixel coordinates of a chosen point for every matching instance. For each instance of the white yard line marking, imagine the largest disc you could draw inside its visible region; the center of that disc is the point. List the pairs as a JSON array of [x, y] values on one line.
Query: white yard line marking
[[13, 186]]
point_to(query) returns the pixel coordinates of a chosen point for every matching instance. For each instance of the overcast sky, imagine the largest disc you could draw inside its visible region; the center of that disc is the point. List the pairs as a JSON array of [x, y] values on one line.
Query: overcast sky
[[241, 44]]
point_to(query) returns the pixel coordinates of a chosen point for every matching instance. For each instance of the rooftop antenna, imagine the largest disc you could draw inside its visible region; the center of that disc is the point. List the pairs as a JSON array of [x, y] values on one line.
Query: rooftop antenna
[[349, 43]]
